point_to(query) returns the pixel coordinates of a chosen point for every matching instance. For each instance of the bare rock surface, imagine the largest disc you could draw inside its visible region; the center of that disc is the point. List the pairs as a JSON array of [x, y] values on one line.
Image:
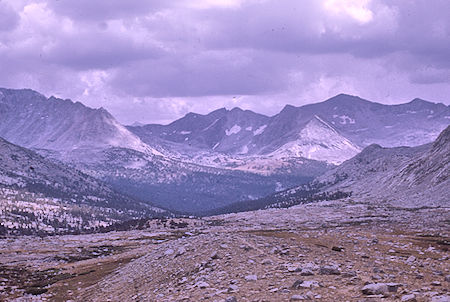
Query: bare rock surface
[[385, 254]]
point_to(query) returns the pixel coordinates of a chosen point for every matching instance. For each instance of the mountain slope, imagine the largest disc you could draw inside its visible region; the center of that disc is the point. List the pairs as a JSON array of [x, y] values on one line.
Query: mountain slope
[[31, 120], [318, 141], [64, 197], [402, 177], [187, 187]]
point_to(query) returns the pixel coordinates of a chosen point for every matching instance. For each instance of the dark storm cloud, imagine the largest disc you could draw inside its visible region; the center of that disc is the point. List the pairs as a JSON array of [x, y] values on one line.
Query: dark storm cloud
[[195, 55]]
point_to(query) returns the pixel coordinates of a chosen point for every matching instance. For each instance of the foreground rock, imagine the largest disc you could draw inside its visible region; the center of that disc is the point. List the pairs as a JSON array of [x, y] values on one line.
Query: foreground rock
[[274, 255]]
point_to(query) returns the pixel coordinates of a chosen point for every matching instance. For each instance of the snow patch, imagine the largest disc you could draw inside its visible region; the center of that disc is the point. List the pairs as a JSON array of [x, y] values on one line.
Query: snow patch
[[249, 128], [260, 130], [244, 150], [344, 119], [216, 145], [185, 132], [235, 129], [279, 187]]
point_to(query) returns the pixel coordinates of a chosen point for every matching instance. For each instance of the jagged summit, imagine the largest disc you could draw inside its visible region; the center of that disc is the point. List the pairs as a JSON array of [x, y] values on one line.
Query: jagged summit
[[31, 120]]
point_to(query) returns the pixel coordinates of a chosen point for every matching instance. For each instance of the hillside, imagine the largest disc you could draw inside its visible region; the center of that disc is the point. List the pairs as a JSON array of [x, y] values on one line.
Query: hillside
[[42, 195]]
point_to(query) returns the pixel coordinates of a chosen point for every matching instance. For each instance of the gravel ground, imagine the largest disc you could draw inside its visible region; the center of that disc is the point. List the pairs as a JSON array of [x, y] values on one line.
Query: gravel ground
[[329, 251]]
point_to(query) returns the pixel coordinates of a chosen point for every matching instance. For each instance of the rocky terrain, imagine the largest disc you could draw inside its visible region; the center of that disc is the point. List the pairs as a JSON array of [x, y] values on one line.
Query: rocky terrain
[[342, 250]]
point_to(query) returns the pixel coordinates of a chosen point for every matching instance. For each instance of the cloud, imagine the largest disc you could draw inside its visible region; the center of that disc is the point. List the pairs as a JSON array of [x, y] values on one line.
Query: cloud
[[9, 19], [156, 60], [204, 73], [101, 10]]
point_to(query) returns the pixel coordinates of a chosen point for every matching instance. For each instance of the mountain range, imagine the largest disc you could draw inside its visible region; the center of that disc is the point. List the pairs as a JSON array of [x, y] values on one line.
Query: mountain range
[[203, 162], [401, 177]]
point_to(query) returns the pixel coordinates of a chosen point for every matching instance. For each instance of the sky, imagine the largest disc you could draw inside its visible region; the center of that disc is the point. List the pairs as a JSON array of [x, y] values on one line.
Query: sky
[[154, 61]]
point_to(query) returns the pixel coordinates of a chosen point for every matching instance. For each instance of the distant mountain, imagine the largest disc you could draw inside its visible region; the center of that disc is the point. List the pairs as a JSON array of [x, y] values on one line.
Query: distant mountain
[[31, 120], [226, 131], [401, 176], [319, 141], [42, 195], [363, 122], [208, 161], [175, 166], [331, 131]]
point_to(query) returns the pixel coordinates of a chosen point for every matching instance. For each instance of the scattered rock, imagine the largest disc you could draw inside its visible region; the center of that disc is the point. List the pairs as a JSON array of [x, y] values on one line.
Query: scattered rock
[[443, 298], [201, 284], [296, 284], [337, 248], [180, 252], [408, 298], [169, 252], [436, 283], [267, 262], [284, 252], [251, 278], [304, 284], [379, 288], [306, 272], [214, 256], [246, 247], [410, 259], [231, 299], [378, 270], [329, 270], [297, 298], [233, 288], [349, 274]]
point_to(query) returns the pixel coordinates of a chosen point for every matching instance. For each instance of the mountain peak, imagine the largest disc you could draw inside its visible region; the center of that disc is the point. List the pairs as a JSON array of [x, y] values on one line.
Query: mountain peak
[[418, 101], [347, 99], [288, 109], [236, 109]]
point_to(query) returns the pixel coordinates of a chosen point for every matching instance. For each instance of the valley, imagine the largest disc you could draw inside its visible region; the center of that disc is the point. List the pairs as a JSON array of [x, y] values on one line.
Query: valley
[[206, 163]]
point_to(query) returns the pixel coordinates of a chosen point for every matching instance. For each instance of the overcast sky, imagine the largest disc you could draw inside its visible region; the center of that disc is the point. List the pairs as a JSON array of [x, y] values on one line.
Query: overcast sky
[[154, 61]]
